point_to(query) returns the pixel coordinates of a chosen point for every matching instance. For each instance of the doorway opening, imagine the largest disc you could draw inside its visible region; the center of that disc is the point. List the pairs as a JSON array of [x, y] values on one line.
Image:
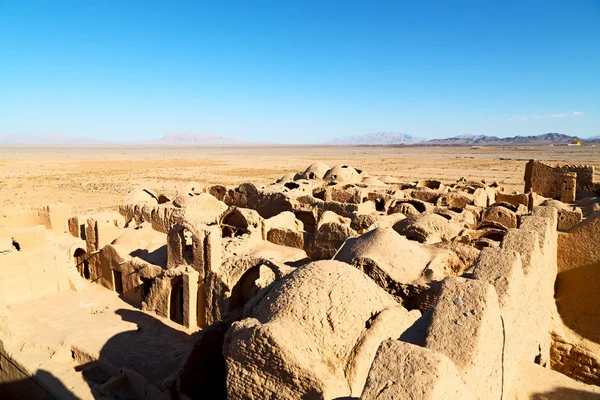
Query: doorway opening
[[176, 303], [118, 281]]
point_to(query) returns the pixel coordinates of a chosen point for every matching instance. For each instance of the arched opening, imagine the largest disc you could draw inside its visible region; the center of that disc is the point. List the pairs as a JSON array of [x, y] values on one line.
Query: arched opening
[[162, 199], [420, 207], [308, 220], [252, 282], [86, 269], [235, 219], [234, 224], [187, 246], [81, 263], [495, 235], [176, 301], [218, 191], [79, 255], [145, 287], [291, 185], [319, 194], [429, 183], [379, 204]]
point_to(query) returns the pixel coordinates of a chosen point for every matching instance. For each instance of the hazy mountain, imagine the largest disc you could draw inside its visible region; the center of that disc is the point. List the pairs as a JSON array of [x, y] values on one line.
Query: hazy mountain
[[193, 139], [377, 138], [45, 140], [546, 138]]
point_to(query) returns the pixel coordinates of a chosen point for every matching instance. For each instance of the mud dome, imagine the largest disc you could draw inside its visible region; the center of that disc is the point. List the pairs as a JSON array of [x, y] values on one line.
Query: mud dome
[[328, 283]]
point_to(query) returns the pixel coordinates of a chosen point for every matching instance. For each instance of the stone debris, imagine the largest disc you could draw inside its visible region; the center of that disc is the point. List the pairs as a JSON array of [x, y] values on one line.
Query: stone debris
[[328, 283]]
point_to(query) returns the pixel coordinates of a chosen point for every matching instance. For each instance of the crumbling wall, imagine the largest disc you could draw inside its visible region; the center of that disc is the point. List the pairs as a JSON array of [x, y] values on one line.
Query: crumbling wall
[[184, 246], [174, 295], [574, 361], [553, 182], [207, 262], [34, 264], [129, 262], [585, 176], [113, 268], [161, 217], [486, 326]]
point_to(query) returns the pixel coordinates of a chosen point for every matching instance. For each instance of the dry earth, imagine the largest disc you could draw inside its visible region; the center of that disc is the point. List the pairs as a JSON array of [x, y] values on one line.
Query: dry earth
[[97, 178], [97, 325]]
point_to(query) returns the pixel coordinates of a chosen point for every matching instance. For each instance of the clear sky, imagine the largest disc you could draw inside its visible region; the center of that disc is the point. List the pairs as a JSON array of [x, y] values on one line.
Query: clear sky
[[299, 71]]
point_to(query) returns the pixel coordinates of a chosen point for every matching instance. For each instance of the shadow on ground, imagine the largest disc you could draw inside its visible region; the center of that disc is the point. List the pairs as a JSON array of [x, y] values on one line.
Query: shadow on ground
[[153, 350]]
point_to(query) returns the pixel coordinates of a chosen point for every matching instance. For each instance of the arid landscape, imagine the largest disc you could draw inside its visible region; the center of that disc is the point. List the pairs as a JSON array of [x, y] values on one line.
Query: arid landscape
[[300, 272], [97, 178], [303, 200]]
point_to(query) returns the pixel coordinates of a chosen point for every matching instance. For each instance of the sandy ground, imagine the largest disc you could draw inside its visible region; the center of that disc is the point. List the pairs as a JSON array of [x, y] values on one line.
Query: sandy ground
[[97, 178]]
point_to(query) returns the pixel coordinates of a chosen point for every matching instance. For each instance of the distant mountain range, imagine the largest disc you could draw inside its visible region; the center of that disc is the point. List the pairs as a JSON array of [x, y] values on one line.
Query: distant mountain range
[[546, 138], [377, 138], [386, 138]]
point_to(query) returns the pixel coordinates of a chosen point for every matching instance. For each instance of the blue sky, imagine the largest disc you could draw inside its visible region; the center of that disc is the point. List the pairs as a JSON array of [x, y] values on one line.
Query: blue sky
[[299, 72]]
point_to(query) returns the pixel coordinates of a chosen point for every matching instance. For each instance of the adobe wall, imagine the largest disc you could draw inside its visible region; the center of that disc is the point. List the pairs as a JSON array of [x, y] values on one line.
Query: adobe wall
[[550, 181], [100, 232], [585, 176], [54, 216], [162, 217], [27, 275], [575, 361], [575, 348], [579, 270], [159, 300]]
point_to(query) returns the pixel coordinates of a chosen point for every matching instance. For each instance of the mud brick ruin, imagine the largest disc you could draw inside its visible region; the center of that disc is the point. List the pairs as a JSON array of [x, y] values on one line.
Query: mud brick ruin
[[329, 283]]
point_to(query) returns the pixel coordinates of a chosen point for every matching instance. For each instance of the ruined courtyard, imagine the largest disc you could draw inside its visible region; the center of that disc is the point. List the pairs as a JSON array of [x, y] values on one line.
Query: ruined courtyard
[[351, 279]]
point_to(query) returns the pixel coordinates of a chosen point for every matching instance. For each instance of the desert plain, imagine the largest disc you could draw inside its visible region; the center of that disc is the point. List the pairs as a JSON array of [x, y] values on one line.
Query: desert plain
[[97, 178]]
